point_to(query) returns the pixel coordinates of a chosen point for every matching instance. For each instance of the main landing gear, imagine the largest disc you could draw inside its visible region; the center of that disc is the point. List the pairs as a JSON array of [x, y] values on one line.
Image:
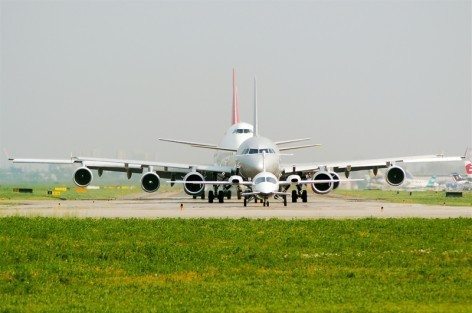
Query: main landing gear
[[299, 194], [212, 195]]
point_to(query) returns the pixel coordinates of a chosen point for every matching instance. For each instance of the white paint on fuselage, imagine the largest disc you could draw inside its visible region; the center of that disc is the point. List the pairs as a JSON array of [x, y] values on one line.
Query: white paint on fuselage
[[256, 155], [265, 183], [232, 139]]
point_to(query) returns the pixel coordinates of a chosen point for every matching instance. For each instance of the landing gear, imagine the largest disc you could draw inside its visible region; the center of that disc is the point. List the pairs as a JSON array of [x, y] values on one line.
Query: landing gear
[[228, 194], [294, 196], [285, 200], [245, 201], [265, 203], [211, 196], [221, 196], [238, 193], [304, 196], [299, 194]]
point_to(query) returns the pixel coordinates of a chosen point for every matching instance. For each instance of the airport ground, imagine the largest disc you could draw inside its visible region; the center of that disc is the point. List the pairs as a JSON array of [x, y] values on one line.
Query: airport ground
[[124, 250], [127, 202]]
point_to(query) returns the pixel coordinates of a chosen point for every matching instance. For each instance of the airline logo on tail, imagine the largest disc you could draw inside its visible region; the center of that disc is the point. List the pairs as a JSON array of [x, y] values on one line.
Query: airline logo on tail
[[468, 168]]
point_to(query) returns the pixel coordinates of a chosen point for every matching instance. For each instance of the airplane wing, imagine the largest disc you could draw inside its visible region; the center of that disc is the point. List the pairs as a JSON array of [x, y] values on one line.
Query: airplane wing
[[299, 147], [290, 141], [164, 169], [216, 182], [359, 165]]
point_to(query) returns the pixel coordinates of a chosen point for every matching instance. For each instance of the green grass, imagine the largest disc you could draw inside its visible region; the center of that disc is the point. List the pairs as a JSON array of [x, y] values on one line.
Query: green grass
[[423, 197], [391, 265], [40, 192]]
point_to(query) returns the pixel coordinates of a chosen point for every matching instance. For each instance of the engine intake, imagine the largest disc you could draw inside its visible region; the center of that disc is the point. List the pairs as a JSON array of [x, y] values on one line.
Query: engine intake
[[82, 177], [235, 179], [336, 177], [150, 182], [395, 176], [322, 187], [294, 179], [191, 186]]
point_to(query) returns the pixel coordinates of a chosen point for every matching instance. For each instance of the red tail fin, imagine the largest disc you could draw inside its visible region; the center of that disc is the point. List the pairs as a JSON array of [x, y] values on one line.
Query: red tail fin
[[235, 110]]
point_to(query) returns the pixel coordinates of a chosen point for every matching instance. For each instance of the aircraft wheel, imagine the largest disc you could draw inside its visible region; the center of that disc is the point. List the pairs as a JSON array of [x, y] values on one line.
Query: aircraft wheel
[[255, 199], [245, 201], [264, 204], [211, 196], [285, 200], [267, 203], [239, 194], [294, 196], [195, 197], [304, 196], [203, 195], [221, 196], [228, 195]]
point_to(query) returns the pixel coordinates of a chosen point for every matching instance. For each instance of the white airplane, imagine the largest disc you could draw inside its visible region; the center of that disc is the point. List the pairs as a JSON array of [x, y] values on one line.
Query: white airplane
[[460, 182], [262, 173], [254, 156]]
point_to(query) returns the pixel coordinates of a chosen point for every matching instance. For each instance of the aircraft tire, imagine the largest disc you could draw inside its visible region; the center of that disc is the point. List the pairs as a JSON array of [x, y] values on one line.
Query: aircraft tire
[[285, 200], [239, 194], [221, 196], [304, 196], [294, 196], [211, 196], [228, 195], [245, 201]]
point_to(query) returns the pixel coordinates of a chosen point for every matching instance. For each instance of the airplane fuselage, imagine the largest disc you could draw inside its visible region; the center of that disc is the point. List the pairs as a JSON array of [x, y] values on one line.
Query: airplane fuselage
[[256, 155]]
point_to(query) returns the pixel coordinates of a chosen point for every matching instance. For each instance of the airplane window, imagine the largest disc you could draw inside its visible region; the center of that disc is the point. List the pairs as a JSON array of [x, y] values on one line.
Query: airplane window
[[272, 180], [272, 150], [247, 131], [253, 151], [259, 180]]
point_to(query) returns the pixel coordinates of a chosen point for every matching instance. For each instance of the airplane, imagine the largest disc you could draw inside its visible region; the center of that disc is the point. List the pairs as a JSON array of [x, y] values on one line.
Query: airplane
[[253, 156], [460, 182]]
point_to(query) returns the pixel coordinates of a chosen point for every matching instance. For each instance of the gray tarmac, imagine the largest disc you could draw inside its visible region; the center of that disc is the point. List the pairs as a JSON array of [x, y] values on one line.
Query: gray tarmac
[[169, 206]]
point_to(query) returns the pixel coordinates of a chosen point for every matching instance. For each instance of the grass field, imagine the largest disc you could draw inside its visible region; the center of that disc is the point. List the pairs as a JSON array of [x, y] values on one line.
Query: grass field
[[40, 192], [242, 265], [423, 197]]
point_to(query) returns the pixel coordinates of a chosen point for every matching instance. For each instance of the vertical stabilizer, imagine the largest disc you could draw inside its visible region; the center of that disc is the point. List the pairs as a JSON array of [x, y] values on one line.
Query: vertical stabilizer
[[256, 129], [235, 107], [468, 168]]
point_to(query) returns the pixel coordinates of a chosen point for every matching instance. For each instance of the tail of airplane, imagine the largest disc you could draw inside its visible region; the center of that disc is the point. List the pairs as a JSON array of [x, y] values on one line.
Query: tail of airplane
[[256, 129], [235, 108], [431, 182], [468, 168]]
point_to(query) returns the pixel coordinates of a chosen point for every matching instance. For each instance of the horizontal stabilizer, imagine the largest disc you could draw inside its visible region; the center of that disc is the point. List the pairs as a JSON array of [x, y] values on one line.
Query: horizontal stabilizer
[[291, 141], [299, 147], [197, 144]]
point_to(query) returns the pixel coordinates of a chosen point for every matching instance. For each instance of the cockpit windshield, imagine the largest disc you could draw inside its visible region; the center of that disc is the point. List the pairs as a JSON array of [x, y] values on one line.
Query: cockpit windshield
[[262, 179], [259, 151], [242, 131]]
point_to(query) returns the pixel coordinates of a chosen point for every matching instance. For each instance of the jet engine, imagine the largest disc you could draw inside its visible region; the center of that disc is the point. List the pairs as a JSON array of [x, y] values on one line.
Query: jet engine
[[235, 179], [150, 182], [193, 189], [294, 179], [82, 176], [324, 187], [335, 176], [395, 176]]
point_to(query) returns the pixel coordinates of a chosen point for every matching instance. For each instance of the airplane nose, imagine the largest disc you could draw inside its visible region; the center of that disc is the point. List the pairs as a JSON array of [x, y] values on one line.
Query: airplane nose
[[265, 188]]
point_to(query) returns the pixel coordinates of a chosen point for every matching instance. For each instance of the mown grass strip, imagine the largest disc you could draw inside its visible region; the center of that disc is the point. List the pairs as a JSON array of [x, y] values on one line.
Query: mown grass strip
[[236, 265]]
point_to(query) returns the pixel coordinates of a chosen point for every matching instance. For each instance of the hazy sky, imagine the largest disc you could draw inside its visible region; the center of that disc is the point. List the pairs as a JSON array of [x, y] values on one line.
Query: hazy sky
[[364, 78]]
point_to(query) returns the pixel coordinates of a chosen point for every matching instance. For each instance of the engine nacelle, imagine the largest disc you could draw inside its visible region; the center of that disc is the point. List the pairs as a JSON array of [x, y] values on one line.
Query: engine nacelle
[[194, 189], [150, 182], [82, 177], [335, 176], [395, 176], [294, 179], [235, 179], [322, 187]]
